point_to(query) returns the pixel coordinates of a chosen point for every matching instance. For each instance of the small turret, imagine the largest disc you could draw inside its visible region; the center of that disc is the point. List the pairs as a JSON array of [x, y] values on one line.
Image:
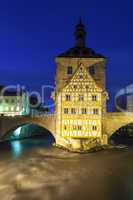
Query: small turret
[[80, 34]]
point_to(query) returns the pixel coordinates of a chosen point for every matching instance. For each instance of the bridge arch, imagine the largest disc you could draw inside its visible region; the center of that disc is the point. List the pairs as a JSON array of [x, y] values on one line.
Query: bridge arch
[[21, 131], [10, 123], [115, 121]]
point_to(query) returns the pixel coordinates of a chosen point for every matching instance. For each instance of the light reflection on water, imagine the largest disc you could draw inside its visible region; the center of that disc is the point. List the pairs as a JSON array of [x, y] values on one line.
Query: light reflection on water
[[42, 172], [16, 148], [19, 147]]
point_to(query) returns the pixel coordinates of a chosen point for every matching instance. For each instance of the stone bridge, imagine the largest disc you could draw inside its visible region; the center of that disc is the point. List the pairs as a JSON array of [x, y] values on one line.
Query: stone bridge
[[113, 122], [11, 123], [116, 120]]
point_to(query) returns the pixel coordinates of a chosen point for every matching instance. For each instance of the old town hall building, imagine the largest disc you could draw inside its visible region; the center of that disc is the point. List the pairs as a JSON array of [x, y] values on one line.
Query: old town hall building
[[80, 121], [80, 95]]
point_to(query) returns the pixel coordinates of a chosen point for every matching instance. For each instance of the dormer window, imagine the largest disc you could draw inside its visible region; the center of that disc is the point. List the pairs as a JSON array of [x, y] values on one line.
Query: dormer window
[[69, 70]]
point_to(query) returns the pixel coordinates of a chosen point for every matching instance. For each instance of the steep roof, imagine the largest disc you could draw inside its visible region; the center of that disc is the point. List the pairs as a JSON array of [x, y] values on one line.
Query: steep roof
[[5, 91], [82, 80], [80, 50]]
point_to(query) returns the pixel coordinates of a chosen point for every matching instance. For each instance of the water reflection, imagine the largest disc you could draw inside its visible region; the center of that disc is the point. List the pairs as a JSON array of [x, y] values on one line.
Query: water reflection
[[52, 174], [16, 148], [42, 172]]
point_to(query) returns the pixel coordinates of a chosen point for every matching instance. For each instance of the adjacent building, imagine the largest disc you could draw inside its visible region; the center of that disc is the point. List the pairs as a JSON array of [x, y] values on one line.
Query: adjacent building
[[13, 103]]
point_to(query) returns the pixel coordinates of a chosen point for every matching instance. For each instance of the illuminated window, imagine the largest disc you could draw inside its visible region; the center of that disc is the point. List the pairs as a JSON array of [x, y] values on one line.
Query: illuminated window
[[65, 110], [84, 111], [94, 128], [81, 97], [17, 109], [68, 97], [73, 111], [94, 98], [12, 108], [69, 70], [6, 108], [79, 127], [95, 111], [92, 70]]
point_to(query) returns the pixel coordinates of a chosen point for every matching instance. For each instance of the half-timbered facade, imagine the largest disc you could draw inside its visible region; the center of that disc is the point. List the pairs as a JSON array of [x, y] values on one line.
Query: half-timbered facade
[[80, 95]]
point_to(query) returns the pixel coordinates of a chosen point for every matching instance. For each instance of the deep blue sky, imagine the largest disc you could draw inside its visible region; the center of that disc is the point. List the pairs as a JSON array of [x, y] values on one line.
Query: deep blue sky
[[33, 32]]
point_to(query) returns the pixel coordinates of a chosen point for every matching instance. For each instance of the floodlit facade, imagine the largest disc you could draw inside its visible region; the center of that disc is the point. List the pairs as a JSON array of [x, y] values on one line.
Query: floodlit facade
[[80, 95], [81, 106], [13, 104]]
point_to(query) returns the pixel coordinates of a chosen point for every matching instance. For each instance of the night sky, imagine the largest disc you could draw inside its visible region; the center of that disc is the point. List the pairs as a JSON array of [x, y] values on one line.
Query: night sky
[[33, 33]]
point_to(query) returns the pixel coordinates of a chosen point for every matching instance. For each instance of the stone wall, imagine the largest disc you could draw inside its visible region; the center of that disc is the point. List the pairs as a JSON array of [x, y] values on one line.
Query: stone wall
[[10, 123], [114, 121]]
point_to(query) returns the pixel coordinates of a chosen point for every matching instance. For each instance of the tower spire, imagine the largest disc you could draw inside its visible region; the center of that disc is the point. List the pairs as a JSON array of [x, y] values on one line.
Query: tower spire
[[80, 20], [80, 34]]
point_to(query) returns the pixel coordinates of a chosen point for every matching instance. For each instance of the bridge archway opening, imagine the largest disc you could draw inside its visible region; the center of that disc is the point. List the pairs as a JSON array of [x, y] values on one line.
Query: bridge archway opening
[[123, 135], [16, 143], [27, 131]]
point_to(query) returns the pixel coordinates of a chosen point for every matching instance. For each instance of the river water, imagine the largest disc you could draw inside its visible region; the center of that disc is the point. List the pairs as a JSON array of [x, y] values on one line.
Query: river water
[[32, 169]]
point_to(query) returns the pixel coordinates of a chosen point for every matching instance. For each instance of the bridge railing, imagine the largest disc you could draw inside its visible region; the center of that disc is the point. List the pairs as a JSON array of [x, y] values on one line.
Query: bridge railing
[[29, 116], [120, 114]]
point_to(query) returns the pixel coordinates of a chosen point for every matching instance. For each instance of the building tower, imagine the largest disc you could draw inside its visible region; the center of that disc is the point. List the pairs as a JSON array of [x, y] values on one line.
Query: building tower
[[80, 95]]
